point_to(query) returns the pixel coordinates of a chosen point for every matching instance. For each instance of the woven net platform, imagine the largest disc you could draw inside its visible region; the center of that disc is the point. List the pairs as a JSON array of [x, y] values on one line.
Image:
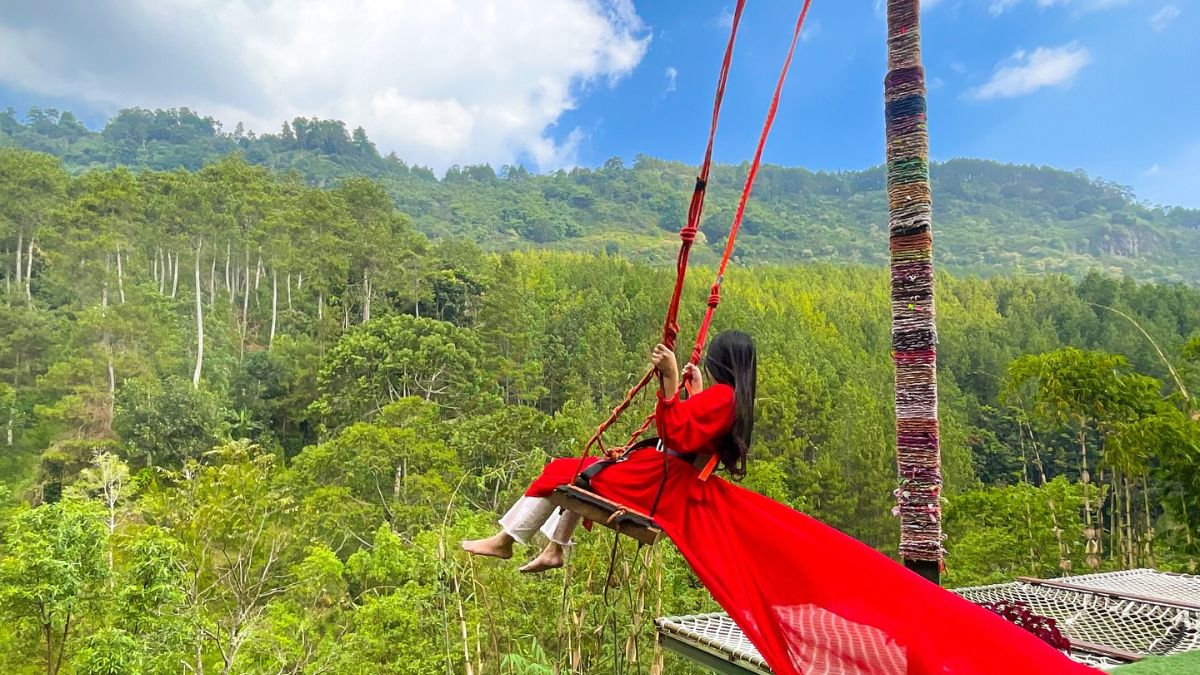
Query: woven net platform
[[1111, 618]]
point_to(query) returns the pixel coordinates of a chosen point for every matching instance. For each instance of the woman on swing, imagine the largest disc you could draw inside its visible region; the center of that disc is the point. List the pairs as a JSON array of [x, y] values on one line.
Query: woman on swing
[[810, 599], [713, 424]]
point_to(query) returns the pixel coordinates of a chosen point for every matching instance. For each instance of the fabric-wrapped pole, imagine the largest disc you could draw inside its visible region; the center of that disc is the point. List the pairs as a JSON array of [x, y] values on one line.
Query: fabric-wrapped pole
[[914, 333]]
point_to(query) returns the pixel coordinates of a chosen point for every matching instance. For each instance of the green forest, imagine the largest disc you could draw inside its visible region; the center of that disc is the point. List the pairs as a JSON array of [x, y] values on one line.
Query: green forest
[[992, 218], [251, 402]]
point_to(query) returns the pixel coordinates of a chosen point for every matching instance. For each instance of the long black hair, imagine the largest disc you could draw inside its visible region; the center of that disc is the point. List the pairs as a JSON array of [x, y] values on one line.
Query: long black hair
[[733, 360]]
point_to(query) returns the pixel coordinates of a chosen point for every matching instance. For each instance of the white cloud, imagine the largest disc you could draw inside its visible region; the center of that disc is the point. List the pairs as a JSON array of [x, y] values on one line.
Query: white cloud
[[672, 76], [1024, 72], [811, 29], [1173, 179], [443, 82], [1164, 17], [998, 7], [724, 18]]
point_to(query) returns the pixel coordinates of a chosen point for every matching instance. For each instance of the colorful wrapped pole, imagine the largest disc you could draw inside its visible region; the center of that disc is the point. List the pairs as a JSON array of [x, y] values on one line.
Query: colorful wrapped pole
[[914, 334]]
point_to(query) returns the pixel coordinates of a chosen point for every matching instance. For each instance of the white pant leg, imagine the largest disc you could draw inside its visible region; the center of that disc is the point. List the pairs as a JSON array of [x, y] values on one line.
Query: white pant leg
[[525, 518], [560, 526]]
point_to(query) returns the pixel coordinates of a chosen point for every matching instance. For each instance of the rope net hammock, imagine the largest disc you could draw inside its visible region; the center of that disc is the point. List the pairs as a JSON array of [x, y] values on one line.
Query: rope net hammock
[[1110, 618]]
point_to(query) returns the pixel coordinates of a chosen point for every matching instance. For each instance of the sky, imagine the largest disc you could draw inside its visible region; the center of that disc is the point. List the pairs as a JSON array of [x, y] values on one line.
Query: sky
[[1108, 86]]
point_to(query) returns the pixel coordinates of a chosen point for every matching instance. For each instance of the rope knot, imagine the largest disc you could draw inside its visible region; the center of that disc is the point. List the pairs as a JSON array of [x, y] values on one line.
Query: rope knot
[[617, 514], [714, 296], [688, 234], [701, 184]]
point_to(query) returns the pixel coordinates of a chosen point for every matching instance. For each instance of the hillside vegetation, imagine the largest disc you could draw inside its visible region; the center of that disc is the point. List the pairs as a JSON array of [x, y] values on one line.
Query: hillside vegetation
[[990, 218]]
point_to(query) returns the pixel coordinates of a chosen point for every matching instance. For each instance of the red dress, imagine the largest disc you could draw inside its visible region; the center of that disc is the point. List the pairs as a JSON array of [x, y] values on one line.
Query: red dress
[[812, 600]]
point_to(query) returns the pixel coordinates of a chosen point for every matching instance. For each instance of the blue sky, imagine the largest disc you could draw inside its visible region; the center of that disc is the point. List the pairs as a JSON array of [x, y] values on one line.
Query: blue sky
[[1108, 86], [1130, 113]]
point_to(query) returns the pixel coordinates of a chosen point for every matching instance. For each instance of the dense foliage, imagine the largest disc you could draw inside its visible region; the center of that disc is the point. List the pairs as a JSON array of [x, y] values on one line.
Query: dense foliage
[[247, 420], [992, 218]]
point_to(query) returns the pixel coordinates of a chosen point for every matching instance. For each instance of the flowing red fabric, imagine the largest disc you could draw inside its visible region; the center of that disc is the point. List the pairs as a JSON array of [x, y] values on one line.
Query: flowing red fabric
[[813, 601]]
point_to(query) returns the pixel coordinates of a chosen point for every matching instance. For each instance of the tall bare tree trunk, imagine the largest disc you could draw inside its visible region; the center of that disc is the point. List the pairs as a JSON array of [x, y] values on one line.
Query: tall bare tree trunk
[[274, 307], [246, 303], [300, 281], [154, 268], [199, 669], [29, 270], [120, 277], [1130, 544], [12, 409], [199, 322], [320, 305], [228, 280], [162, 276], [212, 283], [104, 287], [175, 277], [258, 270], [107, 343], [1149, 524], [289, 291], [366, 312], [112, 385], [20, 244], [1085, 478], [1116, 532]]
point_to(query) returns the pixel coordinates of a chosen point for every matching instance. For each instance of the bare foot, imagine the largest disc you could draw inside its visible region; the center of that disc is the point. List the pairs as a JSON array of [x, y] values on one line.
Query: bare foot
[[499, 545], [550, 558]]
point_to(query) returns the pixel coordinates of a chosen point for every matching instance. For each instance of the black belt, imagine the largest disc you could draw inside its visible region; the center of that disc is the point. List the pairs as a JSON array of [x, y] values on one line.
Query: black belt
[[689, 457], [584, 480]]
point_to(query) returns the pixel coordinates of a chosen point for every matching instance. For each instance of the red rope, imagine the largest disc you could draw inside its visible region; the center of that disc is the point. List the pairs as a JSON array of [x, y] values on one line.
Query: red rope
[[687, 235], [714, 297]]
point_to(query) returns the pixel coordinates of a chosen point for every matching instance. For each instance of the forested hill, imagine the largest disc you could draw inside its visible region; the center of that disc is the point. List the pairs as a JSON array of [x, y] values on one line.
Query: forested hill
[[990, 217]]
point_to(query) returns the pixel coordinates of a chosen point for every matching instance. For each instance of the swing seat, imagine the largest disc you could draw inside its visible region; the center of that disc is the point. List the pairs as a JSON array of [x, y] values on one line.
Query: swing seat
[[621, 519]]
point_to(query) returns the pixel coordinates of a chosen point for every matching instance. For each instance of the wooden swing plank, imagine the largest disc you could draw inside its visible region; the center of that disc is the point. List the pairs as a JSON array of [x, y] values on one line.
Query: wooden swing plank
[[593, 507]]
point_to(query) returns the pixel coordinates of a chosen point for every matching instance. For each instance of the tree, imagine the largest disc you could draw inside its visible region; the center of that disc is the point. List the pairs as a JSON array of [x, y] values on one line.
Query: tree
[[51, 574], [151, 601], [167, 422], [234, 520], [400, 467], [395, 357], [108, 479], [373, 218], [27, 336], [109, 652], [1093, 394], [31, 187]]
